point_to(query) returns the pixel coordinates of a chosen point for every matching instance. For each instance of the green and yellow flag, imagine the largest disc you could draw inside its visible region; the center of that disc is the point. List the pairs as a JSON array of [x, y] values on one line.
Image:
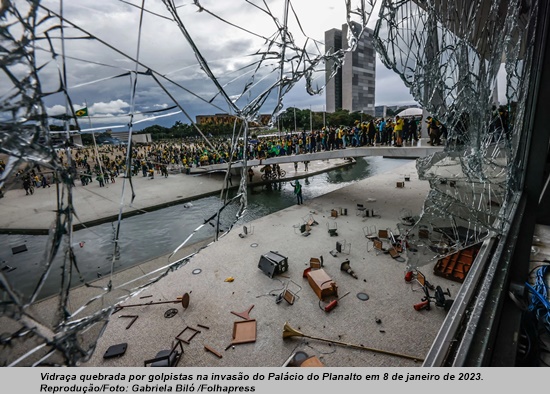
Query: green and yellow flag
[[82, 112]]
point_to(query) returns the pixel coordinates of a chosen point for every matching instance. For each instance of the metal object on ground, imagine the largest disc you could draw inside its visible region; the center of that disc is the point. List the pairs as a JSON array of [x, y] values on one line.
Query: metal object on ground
[[134, 318], [19, 249], [273, 263], [183, 300], [170, 313], [334, 303], [203, 326], [346, 268], [166, 358], [289, 332], [363, 296], [116, 350]]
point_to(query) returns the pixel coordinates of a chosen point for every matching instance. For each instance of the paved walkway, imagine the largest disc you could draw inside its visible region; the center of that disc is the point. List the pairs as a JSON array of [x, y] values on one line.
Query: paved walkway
[[93, 204], [392, 332]]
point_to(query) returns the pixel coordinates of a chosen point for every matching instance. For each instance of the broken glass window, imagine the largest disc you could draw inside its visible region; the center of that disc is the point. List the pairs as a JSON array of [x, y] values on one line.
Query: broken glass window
[[128, 54]]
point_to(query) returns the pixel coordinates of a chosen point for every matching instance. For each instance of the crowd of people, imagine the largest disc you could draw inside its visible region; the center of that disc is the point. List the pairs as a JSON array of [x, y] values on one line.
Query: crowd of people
[[105, 163]]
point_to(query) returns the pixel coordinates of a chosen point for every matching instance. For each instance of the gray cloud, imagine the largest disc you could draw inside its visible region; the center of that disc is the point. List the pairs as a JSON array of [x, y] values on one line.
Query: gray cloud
[[99, 69]]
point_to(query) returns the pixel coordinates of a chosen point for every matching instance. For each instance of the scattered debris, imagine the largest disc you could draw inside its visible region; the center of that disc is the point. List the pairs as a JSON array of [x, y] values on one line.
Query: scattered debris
[[333, 304], [322, 284], [245, 315], [187, 340], [244, 332], [170, 313], [116, 350], [273, 263], [346, 268], [19, 249], [208, 348], [134, 318], [289, 332], [166, 358], [229, 279]]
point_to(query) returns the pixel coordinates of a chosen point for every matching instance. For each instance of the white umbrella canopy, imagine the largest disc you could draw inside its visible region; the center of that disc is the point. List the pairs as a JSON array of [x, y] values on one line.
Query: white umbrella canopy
[[410, 112]]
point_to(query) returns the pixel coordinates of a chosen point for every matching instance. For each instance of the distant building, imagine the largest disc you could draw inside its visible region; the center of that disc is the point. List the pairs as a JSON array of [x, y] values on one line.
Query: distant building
[[353, 86], [382, 110]]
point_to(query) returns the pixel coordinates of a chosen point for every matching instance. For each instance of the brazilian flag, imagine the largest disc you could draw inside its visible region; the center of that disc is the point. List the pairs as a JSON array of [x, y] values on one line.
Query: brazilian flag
[[82, 112]]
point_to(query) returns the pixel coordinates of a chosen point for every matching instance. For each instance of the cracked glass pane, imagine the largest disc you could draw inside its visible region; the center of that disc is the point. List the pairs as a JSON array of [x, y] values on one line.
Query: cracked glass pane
[[449, 54], [55, 53]]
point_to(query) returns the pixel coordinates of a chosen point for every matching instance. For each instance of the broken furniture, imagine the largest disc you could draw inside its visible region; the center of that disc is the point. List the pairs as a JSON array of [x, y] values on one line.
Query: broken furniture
[[316, 263], [394, 253], [245, 314], [438, 299], [183, 300], [457, 265], [423, 231], [309, 220], [384, 233], [213, 351], [341, 247], [303, 229], [333, 213], [332, 228], [377, 245], [166, 358], [419, 278], [322, 284], [187, 339], [288, 295], [244, 332], [19, 249], [273, 263], [246, 231], [133, 317], [360, 210], [406, 217]]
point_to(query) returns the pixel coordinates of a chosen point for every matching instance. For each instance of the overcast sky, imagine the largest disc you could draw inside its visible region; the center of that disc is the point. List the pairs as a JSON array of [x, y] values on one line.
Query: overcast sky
[[197, 66]]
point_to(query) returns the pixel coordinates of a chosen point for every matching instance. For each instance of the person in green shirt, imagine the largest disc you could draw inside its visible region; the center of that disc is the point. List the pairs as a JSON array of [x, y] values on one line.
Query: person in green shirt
[[298, 191]]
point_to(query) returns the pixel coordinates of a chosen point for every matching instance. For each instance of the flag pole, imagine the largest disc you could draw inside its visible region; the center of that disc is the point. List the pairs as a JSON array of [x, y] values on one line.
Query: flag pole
[[95, 145], [310, 119]]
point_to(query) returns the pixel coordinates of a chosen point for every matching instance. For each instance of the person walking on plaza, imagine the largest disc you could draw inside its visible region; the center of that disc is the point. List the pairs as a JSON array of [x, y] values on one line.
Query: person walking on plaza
[[250, 174], [298, 191], [27, 185], [100, 179]]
